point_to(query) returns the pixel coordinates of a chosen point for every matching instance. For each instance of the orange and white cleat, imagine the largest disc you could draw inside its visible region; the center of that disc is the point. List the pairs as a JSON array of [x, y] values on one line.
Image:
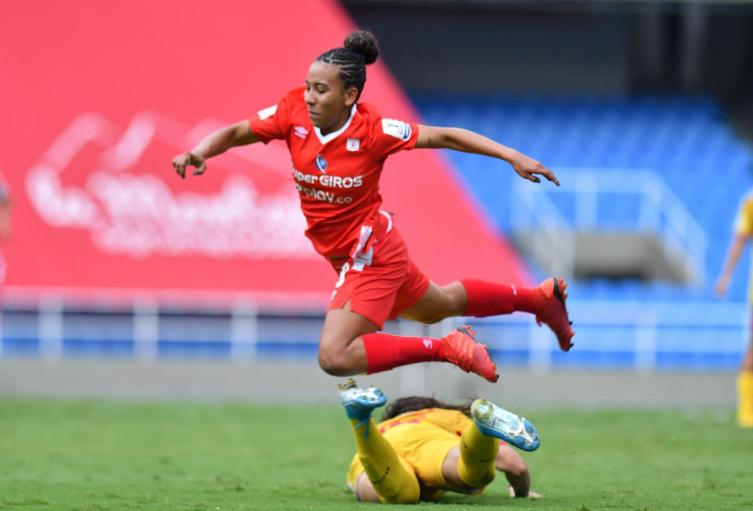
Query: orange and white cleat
[[462, 349], [551, 310]]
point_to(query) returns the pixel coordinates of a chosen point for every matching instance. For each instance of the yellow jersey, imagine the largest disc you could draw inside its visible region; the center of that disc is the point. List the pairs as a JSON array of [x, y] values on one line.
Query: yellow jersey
[[422, 439]]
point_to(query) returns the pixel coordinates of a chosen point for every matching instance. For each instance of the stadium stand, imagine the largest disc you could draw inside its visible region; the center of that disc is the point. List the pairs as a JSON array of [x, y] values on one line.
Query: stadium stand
[[684, 141]]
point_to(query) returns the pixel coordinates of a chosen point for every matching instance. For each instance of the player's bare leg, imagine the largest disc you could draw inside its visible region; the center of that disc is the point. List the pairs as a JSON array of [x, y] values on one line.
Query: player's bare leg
[[438, 303], [451, 476], [747, 362], [341, 348], [365, 490], [349, 345], [547, 302]]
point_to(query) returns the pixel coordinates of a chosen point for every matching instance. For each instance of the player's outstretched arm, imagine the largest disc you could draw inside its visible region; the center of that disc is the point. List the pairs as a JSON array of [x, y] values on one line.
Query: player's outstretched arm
[[459, 139], [733, 255], [216, 143]]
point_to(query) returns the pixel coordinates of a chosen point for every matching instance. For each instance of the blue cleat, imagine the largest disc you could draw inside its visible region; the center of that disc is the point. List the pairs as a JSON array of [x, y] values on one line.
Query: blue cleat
[[358, 402], [495, 421]]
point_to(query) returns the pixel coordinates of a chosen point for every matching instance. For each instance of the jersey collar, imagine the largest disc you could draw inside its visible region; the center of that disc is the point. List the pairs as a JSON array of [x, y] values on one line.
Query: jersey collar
[[331, 136]]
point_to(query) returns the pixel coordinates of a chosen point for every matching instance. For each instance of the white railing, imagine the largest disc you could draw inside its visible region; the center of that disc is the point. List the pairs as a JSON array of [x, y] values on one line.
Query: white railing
[[646, 330], [660, 212], [643, 333]]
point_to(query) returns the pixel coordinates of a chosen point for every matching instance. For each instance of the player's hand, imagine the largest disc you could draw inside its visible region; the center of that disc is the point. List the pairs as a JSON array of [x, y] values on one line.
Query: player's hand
[[722, 285], [531, 494], [188, 159], [528, 168]]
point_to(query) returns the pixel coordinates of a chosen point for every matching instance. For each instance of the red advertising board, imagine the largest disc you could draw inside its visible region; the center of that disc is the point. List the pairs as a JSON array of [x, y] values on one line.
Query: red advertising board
[[97, 97]]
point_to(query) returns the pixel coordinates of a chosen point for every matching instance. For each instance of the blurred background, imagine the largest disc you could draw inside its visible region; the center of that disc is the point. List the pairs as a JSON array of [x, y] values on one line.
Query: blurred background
[[122, 280]]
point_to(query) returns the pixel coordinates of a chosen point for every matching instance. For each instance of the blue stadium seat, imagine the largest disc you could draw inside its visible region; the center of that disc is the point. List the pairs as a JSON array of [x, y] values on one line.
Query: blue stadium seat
[[684, 139]]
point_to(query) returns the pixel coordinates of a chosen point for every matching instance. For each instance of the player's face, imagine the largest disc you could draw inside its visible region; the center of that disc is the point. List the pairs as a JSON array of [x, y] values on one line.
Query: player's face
[[328, 101]]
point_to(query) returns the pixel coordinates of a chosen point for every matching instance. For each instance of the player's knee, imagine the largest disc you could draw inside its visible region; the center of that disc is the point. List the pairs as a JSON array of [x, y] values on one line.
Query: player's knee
[[335, 361]]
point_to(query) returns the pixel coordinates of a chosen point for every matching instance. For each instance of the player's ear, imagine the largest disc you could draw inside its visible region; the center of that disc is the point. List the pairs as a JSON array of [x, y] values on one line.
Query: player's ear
[[351, 96]]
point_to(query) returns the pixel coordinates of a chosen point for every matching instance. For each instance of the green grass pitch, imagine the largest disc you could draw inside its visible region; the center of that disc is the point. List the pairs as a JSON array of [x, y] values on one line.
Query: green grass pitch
[[91, 455]]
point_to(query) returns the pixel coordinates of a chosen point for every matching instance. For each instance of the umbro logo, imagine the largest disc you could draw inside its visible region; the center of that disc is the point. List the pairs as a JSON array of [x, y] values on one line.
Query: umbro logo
[[428, 344], [300, 132]]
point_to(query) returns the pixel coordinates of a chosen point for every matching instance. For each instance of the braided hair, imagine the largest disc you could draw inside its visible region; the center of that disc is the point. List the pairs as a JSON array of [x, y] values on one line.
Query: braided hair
[[360, 49]]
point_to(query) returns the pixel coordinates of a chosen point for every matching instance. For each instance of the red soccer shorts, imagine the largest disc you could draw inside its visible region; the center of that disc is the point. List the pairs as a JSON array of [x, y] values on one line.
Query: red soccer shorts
[[378, 279]]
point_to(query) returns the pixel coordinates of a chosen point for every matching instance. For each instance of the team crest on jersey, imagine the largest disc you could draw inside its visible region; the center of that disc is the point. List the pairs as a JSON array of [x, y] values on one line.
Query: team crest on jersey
[[397, 129], [268, 112], [353, 144], [321, 163], [301, 132]]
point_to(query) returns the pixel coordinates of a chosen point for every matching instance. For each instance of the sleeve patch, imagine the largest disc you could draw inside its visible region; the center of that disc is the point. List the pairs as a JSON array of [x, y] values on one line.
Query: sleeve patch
[[268, 112], [398, 129]]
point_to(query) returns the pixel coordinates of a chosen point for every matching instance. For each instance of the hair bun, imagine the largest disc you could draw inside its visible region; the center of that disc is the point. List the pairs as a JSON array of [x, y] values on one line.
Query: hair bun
[[364, 43]]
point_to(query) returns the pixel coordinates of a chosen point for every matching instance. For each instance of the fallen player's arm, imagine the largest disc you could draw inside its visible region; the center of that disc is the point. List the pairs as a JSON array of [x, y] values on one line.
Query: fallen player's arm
[[531, 494], [515, 469]]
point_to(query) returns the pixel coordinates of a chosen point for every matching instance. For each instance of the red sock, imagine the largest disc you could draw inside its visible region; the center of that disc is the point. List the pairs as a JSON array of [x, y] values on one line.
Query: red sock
[[385, 351], [488, 299]]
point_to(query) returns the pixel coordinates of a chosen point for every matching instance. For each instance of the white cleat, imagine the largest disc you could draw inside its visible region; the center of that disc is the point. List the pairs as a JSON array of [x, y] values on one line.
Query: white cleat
[[358, 402], [493, 420]]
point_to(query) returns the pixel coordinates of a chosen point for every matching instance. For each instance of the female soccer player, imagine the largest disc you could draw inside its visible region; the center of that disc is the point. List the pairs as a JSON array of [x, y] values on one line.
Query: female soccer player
[[338, 147], [742, 236], [424, 447]]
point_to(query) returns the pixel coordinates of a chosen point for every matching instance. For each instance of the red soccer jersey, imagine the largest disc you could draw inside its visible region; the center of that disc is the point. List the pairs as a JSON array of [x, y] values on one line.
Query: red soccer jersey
[[337, 175]]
